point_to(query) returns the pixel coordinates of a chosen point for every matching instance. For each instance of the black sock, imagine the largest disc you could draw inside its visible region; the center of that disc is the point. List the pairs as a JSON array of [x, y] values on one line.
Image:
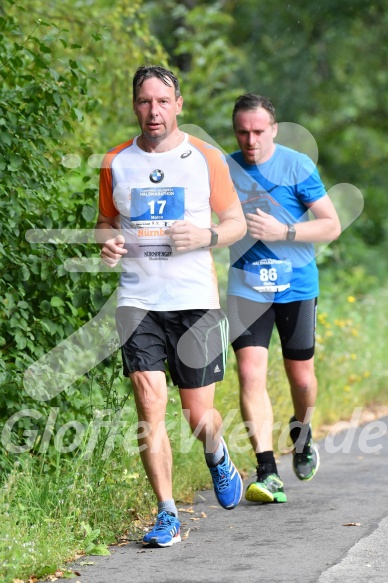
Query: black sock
[[267, 458], [302, 430]]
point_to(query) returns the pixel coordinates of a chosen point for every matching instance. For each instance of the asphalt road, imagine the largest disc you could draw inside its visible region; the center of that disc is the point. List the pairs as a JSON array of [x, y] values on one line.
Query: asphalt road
[[332, 529]]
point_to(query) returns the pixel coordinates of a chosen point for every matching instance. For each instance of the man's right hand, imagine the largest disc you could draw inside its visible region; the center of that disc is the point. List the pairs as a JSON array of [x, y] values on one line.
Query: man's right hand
[[113, 250]]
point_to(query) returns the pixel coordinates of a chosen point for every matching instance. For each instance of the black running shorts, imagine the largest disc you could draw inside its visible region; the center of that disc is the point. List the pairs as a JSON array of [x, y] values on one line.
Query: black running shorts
[[192, 342], [251, 324]]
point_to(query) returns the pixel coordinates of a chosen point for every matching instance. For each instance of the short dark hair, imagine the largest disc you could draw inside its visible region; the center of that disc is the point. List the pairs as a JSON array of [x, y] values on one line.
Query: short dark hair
[[251, 101], [148, 71]]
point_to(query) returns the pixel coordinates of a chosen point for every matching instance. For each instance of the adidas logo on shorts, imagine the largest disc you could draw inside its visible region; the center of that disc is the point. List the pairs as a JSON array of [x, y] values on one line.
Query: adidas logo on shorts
[[217, 368]]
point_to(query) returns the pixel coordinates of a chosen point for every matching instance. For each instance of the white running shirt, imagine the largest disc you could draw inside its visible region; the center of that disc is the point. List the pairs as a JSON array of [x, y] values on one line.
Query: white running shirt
[[150, 191]]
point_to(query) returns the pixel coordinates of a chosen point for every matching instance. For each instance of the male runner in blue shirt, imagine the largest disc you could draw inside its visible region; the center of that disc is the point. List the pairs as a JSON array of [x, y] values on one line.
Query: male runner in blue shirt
[[273, 280]]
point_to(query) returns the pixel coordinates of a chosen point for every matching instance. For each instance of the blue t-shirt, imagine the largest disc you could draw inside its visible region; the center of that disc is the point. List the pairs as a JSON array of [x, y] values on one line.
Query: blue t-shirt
[[279, 271]]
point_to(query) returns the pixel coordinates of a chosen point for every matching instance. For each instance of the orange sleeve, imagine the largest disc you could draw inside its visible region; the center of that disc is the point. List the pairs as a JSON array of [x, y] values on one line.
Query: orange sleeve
[[106, 203], [222, 191]]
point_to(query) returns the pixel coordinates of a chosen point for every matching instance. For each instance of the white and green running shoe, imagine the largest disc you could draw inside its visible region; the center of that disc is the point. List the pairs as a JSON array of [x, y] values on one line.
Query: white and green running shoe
[[305, 455], [267, 488]]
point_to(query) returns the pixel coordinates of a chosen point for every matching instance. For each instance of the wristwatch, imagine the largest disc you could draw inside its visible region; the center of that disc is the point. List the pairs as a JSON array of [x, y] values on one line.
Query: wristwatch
[[214, 238], [290, 233]]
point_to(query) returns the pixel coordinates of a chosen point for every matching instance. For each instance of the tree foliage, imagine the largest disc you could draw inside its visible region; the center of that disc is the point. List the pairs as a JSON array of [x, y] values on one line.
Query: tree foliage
[[66, 70], [197, 38], [323, 66], [57, 66], [110, 39], [41, 100]]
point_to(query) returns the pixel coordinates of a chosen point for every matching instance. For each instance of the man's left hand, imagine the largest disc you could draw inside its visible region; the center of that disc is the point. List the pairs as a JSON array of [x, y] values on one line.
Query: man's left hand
[[187, 237], [265, 227]]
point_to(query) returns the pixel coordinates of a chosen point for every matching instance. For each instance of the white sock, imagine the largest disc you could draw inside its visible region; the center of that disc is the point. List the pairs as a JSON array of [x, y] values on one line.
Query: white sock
[[168, 506], [214, 458]]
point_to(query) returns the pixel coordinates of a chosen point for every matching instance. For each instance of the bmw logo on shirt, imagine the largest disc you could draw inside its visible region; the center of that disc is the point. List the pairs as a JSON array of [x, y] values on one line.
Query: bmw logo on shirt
[[156, 176]]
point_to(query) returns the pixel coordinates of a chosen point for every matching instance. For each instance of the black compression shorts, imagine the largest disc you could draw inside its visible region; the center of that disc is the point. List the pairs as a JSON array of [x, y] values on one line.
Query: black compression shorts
[[251, 324], [193, 342]]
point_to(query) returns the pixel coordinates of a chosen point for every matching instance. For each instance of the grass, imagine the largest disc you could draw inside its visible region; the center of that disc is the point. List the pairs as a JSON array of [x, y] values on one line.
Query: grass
[[350, 358], [49, 519], [86, 502], [350, 368]]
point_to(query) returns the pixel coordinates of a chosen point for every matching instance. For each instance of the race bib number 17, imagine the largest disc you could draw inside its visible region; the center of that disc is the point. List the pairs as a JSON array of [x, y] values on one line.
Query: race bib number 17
[[157, 207]]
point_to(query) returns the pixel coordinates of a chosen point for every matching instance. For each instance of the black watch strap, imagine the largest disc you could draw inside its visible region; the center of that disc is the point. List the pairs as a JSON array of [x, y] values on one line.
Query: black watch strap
[[214, 238], [290, 233]]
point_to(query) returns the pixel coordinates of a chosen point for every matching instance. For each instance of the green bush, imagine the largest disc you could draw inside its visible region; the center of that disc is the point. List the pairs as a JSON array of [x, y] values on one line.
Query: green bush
[[41, 103]]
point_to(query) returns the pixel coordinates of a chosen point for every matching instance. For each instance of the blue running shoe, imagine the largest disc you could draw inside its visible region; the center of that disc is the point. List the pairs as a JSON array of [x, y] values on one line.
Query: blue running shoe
[[165, 533], [227, 481]]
